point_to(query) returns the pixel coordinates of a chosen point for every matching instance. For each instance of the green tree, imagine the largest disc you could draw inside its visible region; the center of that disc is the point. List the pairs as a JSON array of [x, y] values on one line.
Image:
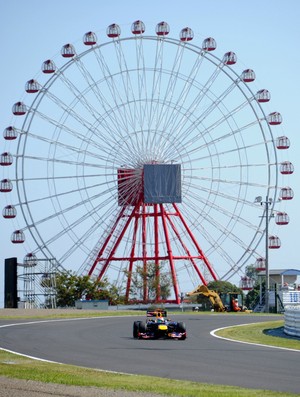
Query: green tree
[[252, 298], [223, 287], [251, 272], [71, 287], [149, 278]]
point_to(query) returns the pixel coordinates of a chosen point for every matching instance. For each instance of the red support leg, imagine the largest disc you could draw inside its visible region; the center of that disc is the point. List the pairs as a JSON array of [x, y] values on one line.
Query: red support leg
[[205, 260], [144, 253], [130, 267], [170, 254], [156, 253], [187, 252]]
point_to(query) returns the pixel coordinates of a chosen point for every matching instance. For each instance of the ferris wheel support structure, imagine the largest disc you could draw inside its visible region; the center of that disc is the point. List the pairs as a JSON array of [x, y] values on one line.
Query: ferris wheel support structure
[[144, 150]]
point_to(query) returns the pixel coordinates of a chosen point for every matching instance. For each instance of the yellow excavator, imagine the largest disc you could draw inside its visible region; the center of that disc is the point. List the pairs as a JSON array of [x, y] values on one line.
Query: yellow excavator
[[213, 296], [215, 299]]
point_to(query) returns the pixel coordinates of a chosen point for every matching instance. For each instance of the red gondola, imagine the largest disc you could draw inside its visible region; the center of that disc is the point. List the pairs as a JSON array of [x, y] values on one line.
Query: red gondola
[[6, 186], [248, 76], [274, 242], [186, 34], [286, 168], [30, 260], [274, 118], [209, 44], [9, 212], [32, 86], [48, 67], [19, 109], [282, 142], [10, 133], [68, 51], [282, 218], [162, 29], [260, 264], [286, 193], [246, 283], [18, 237], [113, 31], [138, 27], [263, 96], [6, 159], [230, 58]]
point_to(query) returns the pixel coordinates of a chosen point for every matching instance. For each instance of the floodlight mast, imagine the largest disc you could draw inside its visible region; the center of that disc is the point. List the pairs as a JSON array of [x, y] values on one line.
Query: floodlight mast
[[267, 203]]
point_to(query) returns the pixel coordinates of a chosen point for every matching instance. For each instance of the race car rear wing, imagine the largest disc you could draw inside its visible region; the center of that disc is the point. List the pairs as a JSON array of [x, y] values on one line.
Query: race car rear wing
[[156, 313]]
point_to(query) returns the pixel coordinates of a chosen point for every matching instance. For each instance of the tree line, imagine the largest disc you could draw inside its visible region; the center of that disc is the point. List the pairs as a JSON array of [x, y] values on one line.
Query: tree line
[[70, 287]]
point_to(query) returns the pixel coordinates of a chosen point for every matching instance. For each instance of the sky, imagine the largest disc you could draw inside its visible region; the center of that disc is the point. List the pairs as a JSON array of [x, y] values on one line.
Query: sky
[[264, 35]]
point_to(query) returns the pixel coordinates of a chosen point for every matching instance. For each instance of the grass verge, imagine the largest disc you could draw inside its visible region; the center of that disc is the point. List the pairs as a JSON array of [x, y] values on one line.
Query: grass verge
[[14, 366], [258, 333], [53, 314]]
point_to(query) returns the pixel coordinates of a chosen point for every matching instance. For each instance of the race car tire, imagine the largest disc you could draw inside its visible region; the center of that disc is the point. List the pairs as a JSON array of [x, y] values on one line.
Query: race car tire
[[181, 328], [136, 326], [142, 327]]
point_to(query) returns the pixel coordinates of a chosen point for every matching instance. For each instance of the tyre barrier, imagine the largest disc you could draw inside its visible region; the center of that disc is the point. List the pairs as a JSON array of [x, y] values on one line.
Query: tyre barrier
[[292, 320]]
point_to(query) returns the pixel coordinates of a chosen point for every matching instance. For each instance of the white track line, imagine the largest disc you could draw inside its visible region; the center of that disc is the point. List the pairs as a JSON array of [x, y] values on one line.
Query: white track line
[[55, 320], [213, 333]]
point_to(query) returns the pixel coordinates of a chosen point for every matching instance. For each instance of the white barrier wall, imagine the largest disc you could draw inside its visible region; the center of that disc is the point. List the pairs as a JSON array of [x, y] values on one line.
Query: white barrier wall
[[292, 320]]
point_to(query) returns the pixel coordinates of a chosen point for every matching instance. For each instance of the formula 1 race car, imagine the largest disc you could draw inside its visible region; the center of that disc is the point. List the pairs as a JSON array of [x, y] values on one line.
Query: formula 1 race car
[[157, 326]]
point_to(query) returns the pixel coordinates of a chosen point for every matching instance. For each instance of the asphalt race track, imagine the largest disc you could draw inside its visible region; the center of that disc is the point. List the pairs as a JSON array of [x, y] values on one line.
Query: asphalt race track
[[107, 343]]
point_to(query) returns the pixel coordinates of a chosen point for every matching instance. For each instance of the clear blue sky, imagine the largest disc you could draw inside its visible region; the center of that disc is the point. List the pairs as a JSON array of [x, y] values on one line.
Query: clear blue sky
[[264, 34]]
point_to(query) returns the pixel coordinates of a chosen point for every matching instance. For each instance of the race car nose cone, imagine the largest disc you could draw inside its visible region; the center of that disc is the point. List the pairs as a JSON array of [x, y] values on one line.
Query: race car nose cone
[[163, 327]]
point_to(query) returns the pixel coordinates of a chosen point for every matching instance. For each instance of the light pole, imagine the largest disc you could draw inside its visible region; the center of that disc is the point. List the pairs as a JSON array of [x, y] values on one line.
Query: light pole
[[267, 290], [267, 204]]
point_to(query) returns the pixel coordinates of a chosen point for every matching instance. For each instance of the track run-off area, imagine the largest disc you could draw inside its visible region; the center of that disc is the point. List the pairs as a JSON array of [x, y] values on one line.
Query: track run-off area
[[106, 343]]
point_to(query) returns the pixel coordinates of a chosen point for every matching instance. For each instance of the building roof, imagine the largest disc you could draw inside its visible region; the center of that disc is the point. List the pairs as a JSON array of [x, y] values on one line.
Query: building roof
[[280, 272]]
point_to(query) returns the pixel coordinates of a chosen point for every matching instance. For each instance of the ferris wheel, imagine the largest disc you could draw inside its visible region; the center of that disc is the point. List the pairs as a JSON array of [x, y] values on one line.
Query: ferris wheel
[[143, 149]]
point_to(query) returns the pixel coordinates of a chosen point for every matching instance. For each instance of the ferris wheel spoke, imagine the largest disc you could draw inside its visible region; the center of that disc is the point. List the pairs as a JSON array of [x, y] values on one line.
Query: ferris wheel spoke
[[224, 233], [101, 145], [117, 118], [156, 83], [215, 102], [72, 150], [106, 134], [125, 113], [234, 182], [189, 82], [142, 87], [63, 127], [80, 243], [107, 119], [64, 194], [63, 212], [237, 149], [134, 115], [66, 162], [170, 86], [69, 110], [232, 215], [202, 94], [189, 138], [92, 110], [70, 227], [218, 193]]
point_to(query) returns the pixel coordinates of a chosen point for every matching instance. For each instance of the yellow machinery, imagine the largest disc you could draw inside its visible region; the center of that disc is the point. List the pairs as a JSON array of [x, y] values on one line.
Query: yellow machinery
[[213, 296], [230, 301]]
